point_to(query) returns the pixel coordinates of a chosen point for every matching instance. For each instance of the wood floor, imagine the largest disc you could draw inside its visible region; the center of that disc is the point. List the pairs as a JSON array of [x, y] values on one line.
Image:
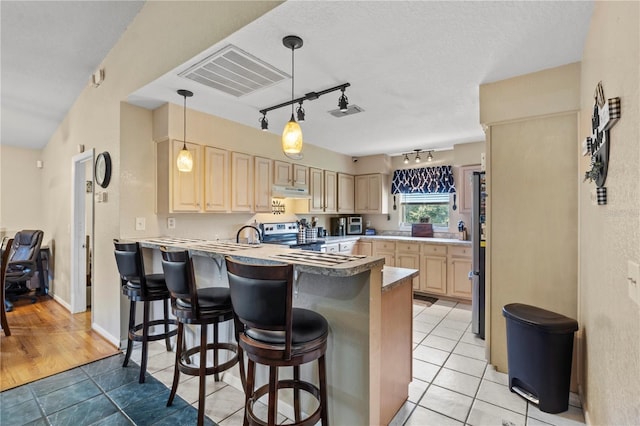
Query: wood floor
[[46, 339]]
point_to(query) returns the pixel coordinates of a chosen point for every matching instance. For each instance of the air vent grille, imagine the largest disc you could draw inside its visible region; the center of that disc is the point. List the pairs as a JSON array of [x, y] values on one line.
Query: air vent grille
[[234, 71], [351, 109]]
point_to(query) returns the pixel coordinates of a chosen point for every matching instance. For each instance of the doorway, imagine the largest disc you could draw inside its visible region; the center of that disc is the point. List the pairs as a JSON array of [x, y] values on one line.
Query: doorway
[[82, 230]]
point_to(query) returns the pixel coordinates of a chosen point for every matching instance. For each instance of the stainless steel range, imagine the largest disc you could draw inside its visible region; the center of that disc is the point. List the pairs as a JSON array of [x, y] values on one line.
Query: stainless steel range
[[287, 234]]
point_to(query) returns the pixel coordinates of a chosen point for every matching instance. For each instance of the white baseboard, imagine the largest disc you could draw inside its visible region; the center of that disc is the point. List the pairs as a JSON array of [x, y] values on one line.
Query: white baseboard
[[102, 332], [62, 302]]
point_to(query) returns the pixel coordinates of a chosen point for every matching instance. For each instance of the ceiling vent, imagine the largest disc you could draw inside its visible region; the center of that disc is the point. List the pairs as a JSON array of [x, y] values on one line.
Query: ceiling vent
[[351, 109], [234, 71]]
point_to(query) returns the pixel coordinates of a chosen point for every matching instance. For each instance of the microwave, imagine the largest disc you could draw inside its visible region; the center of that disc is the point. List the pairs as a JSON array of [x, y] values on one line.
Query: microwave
[[354, 225]]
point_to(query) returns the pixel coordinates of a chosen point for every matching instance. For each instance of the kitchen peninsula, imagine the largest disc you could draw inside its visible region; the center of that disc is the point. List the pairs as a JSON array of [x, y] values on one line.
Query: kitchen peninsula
[[368, 307]]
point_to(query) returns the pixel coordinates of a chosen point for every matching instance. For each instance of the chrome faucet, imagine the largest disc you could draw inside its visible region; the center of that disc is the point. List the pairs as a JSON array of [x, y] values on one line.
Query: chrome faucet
[[252, 227]]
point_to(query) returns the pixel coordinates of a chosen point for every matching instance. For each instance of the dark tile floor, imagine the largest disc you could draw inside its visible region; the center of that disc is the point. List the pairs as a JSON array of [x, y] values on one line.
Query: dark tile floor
[[100, 393]]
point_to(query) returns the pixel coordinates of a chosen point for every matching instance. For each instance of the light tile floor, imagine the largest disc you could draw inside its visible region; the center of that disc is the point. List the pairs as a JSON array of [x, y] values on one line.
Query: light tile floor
[[452, 382]]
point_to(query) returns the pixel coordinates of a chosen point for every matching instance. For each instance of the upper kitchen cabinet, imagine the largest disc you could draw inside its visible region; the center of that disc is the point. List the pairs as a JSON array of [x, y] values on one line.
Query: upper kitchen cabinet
[[287, 174], [330, 192], [241, 182], [345, 193], [216, 180], [178, 191], [466, 191], [262, 184], [316, 190], [372, 194]]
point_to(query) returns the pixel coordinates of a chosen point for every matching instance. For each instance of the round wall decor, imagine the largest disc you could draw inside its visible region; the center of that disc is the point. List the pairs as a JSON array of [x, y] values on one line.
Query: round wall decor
[[103, 169]]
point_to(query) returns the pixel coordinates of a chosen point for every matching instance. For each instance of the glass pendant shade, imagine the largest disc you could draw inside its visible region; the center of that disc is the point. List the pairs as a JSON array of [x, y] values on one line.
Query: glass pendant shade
[[185, 160], [292, 137]]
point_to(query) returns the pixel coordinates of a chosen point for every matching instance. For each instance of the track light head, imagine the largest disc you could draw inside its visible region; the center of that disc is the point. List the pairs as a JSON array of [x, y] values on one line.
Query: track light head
[[429, 156], [300, 112], [406, 159], [343, 101], [264, 123], [417, 155]]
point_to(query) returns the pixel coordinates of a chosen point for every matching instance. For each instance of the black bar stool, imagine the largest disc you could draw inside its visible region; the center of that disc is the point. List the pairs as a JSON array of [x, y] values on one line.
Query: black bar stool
[[140, 287], [202, 306], [273, 333]]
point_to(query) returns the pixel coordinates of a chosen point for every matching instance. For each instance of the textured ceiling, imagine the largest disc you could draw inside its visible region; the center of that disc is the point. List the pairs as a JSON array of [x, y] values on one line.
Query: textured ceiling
[[414, 66], [49, 49]]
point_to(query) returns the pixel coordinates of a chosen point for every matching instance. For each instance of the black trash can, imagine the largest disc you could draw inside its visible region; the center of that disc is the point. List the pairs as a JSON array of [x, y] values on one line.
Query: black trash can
[[539, 353]]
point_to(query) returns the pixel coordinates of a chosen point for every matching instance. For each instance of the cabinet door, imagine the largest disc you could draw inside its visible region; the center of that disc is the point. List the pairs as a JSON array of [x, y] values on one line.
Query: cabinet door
[[364, 248], [241, 182], [281, 173], [466, 195], [300, 176], [345, 193], [331, 248], [433, 274], [330, 189], [262, 184], [362, 194], [460, 282], [216, 179], [186, 195], [346, 247], [411, 261], [316, 190], [374, 193]]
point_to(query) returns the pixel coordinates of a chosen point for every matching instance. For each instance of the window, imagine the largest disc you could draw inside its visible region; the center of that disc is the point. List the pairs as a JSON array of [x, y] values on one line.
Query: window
[[414, 207]]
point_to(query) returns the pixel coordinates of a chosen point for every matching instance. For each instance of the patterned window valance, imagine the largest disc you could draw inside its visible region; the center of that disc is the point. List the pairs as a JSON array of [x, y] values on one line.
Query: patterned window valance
[[426, 180]]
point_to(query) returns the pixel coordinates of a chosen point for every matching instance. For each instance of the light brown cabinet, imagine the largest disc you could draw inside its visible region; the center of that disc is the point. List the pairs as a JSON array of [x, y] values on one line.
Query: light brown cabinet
[[460, 265], [408, 256], [330, 192], [316, 190], [372, 194], [363, 248], [241, 182], [433, 269], [287, 174], [345, 193], [262, 184], [216, 179], [466, 190], [386, 249], [177, 191]]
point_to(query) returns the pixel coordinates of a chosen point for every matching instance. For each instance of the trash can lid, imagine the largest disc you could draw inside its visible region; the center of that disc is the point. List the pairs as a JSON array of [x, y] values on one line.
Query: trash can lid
[[539, 318]]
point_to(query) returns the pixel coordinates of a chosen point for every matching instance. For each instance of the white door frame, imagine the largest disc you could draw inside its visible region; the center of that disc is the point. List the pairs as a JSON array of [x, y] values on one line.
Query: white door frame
[[78, 230]]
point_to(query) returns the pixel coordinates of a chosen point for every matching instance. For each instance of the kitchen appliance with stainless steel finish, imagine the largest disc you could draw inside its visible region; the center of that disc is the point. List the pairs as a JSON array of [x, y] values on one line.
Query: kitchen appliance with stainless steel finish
[[477, 274], [287, 234], [354, 225], [338, 226]]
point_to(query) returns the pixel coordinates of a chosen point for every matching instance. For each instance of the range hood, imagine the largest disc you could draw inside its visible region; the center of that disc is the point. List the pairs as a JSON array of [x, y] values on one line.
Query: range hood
[[281, 191]]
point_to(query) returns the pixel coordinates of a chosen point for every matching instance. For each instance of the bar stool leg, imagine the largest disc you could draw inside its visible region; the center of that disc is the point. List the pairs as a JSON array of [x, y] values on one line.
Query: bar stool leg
[[216, 376], [273, 395], [322, 373], [251, 377], [202, 373], [167, 339], [296, 393], [145, 340], [132, 324], [176, 370]]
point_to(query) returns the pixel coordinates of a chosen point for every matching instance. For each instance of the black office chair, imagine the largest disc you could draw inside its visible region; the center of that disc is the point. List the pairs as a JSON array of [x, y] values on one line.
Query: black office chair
[[6, 243], [24, 261]]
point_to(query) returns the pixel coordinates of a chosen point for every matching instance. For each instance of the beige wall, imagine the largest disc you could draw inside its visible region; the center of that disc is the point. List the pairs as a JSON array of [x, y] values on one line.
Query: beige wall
[[152, 45], [610, 234], [532, 205], [21, 191]]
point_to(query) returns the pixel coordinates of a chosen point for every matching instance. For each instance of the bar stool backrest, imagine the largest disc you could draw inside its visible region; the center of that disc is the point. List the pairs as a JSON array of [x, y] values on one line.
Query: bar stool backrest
[[130, 265], [261, 296], [178, 273]]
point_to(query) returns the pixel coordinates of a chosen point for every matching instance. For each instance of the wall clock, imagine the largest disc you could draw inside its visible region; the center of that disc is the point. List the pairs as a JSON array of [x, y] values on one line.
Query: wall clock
[[103, 169]]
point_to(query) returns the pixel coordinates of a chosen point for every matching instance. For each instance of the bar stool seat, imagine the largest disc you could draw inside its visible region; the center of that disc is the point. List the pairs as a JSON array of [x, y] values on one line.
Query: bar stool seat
[[145, 288], [273, 333], [200, 306]]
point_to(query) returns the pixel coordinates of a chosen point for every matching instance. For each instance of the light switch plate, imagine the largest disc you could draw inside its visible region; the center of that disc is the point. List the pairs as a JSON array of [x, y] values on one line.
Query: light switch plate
[[140, 223], [171, 222], [633, 275]]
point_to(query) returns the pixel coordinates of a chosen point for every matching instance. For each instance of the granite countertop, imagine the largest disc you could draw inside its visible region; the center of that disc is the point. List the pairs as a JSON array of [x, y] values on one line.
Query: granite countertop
[[446, 241], [329, 264], [393, 276]]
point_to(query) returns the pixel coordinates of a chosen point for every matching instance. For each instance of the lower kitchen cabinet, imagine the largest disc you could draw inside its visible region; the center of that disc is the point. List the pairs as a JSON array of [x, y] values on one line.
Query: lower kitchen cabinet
[[408, 256], [346, 247], [460, 265], [433, 274], [330, 248], [364, 248], [386, 249]]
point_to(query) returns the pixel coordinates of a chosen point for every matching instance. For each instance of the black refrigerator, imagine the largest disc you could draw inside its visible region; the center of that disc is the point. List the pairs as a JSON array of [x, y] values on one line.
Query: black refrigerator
[[478, 220]]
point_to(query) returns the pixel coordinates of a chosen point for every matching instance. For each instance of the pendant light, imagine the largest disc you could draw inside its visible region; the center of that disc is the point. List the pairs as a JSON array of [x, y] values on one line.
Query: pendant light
[[292, 134], [185, 159]]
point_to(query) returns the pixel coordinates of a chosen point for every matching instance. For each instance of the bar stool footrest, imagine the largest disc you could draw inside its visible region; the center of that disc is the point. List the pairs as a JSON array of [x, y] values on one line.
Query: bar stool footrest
[[195, 371], [134, 333], [312, 419]]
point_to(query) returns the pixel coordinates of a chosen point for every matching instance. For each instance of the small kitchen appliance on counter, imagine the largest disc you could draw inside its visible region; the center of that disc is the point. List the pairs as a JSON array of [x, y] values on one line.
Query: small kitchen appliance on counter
[[354, 225], [338, 226], [288, 234]]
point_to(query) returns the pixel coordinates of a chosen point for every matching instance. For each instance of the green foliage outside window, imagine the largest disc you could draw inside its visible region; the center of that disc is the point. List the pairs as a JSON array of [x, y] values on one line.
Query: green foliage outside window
[[438, 213]]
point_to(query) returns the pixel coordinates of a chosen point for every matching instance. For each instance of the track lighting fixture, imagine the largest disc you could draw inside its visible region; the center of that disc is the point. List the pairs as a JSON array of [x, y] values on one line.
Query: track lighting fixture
[[343, 101], [417, 158], [300, 112], [292, 134], [185, 159]]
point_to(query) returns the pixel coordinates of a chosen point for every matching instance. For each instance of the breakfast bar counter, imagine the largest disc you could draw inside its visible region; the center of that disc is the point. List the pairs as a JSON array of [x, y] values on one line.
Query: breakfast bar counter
[[369, 313]]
